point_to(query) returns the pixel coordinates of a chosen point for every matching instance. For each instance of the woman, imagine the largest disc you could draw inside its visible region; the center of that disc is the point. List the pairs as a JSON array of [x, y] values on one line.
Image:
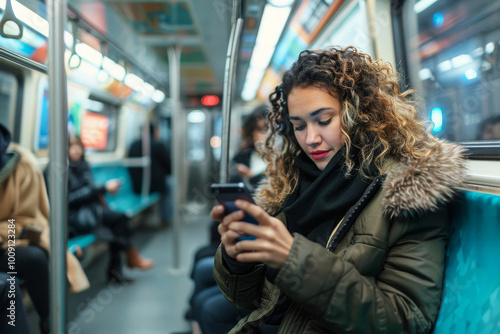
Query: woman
[[87, 214], [352, 222], [24, 224]]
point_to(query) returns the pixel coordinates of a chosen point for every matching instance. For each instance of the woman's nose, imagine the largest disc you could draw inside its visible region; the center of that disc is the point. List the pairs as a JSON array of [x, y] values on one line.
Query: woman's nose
[[313, 137]]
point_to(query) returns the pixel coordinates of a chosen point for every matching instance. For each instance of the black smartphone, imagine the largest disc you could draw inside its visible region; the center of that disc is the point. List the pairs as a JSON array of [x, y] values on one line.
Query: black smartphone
[[227, 193]]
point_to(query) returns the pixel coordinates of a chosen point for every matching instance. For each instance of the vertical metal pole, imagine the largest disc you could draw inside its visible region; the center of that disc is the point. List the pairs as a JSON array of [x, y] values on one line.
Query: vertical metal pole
[[177, 155], [370, 14], [58, 146], [229, 73]]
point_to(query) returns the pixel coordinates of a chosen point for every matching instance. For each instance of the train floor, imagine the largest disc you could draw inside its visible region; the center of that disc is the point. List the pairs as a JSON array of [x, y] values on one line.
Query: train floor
[[154, 303]]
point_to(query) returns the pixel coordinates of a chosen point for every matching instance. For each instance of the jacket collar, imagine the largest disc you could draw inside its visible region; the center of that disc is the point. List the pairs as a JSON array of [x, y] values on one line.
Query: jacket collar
[[416, 186]]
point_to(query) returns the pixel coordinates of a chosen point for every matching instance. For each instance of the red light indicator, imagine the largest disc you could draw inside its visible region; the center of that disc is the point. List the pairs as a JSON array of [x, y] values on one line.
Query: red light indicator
[[210, 100]]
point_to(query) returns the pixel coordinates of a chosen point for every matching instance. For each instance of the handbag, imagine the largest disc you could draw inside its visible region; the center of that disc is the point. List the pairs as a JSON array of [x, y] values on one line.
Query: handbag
[[85, 219]]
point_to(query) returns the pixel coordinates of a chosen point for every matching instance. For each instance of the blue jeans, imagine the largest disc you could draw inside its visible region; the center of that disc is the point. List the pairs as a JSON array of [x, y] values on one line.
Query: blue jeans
[[214, 313], [21, 323], [210, 308]]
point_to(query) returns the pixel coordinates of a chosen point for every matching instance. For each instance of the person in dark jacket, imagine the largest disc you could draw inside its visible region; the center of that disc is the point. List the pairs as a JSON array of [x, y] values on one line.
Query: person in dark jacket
[[160, 169], [353, 221], [209, 310], [247, 164], [88, 213]]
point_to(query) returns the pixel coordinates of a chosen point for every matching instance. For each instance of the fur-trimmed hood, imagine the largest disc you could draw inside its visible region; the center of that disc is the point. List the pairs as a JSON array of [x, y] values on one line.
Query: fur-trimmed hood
[[413, 188], [421, 185]]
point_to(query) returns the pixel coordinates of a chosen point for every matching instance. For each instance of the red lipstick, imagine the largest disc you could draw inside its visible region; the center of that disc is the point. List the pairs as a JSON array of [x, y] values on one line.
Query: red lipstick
[[320, 154]]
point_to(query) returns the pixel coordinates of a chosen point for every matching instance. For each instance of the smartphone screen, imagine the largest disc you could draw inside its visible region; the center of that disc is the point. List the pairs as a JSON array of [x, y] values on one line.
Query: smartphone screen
[[227, 193]]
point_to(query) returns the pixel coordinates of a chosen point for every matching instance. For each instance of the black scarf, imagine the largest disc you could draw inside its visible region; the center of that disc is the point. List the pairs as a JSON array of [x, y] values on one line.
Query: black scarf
[[322, 198]]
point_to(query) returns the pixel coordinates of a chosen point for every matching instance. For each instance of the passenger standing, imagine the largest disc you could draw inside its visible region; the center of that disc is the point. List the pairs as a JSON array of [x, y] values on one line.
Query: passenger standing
[[25, 205], [353, 223], [160, 169]]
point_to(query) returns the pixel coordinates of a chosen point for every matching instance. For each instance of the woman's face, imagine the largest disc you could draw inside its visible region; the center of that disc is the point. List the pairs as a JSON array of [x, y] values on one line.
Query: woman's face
[[75, 150], [260, 131], [315, 116]]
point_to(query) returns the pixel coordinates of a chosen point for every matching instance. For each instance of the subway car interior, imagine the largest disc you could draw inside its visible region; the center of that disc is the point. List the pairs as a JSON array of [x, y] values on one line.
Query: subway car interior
[[187, 74]]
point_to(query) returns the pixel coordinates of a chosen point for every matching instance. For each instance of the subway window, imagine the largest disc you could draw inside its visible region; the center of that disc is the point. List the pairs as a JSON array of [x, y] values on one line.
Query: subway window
[[8, 98], [453, 57], [97, 125]]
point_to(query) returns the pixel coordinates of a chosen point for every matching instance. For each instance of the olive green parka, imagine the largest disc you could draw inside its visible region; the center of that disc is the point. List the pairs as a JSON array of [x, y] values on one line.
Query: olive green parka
[[382, 269]]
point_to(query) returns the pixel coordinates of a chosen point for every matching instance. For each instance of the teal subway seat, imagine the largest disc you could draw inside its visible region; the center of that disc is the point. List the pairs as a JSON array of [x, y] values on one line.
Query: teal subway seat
[[125, 201], [81, 241], [471, 295]]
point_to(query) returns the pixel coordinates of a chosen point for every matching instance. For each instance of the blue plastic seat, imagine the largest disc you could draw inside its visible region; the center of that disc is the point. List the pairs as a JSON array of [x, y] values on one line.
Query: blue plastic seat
[[471, 295], [81, 241], [125, 201]]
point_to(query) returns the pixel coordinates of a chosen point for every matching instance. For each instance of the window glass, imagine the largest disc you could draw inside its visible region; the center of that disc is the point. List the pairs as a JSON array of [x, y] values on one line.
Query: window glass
[[313, 13], [453, 56], [93, 121], [216, 140], [348, 28], [8, 97], [196, 136], [97, 126]]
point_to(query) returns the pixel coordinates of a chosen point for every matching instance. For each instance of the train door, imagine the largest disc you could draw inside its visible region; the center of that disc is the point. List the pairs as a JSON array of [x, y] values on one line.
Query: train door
[[198, 160]]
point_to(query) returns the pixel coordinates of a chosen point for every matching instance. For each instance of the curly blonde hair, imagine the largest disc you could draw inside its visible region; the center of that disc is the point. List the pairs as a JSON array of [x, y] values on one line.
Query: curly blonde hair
[[376, 116]]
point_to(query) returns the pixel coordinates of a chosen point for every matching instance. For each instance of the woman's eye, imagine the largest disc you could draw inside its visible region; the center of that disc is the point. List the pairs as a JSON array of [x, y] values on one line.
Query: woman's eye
[[300, 127], [325, 122]]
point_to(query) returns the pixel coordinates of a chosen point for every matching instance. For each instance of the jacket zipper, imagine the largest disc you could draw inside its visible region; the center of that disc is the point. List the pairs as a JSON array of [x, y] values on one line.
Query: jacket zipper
[[355, 209], [334, 231]]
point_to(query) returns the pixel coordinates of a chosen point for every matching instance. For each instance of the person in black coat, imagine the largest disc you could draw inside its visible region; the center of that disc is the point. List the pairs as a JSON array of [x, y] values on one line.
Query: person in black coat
[[160, 168], [88, 213], [160, 164]]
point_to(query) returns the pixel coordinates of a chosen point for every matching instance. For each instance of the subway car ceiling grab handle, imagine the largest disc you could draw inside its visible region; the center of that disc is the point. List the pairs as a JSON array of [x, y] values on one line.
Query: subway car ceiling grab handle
[[9, 16]]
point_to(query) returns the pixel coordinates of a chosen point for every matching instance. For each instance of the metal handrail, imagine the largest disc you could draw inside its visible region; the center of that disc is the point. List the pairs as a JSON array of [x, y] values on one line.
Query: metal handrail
[[229, 74], [58, 155], [22, 61]]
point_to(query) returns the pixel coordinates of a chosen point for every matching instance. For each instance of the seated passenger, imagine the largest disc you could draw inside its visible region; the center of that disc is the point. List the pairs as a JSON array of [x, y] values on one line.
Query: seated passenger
[[247, 164], [208, 308], [489, 129], [12, 314], [87, 213], [353, 223], [25, 211]]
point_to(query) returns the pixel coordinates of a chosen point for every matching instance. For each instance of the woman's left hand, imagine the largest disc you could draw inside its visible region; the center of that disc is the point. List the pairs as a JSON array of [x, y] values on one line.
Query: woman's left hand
[[273, 241]]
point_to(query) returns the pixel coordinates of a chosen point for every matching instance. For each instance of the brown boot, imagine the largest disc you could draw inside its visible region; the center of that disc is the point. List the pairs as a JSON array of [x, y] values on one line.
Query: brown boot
[[135, 260]]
